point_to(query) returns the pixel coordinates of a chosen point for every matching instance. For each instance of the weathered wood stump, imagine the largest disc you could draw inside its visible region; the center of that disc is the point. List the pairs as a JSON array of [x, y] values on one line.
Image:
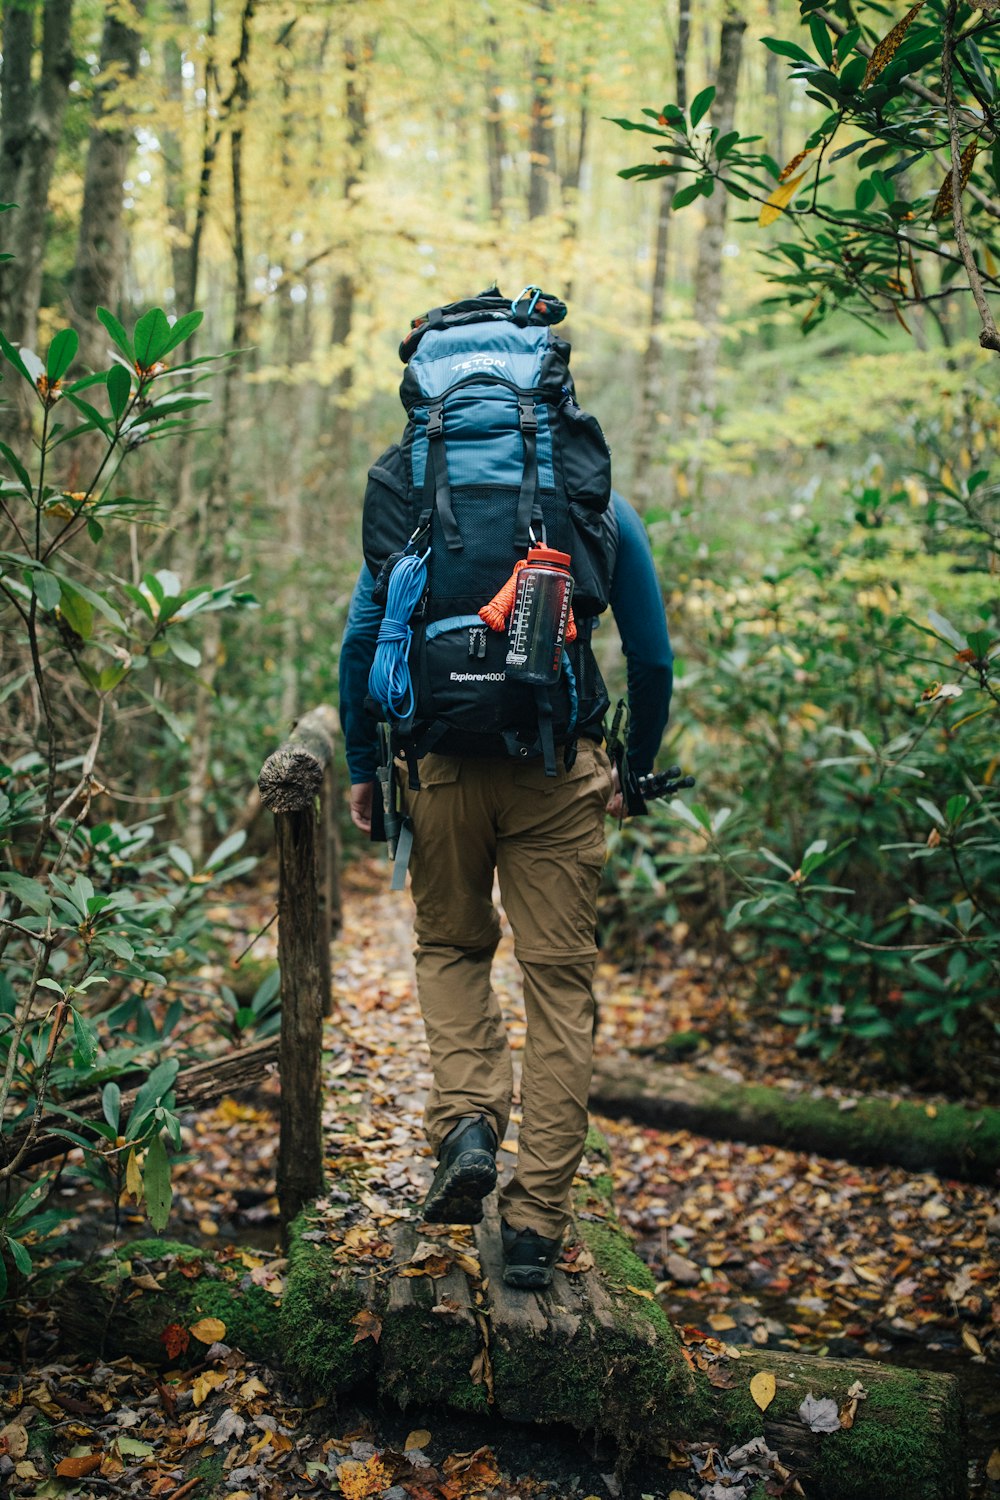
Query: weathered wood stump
[[953, 1141], [290, 782]]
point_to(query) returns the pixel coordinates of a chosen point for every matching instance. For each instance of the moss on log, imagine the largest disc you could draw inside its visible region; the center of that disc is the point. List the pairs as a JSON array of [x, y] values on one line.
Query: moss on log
[[953, 1141], [907, 1440], [103, 1307], [421, 1315]]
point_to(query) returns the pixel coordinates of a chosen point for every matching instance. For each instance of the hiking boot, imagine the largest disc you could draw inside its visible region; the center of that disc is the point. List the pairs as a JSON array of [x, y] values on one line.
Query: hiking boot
[[528, 1257], [466, 1173]]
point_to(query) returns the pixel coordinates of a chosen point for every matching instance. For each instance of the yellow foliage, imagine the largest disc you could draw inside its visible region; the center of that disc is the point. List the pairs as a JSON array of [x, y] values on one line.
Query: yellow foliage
[[779, 200]]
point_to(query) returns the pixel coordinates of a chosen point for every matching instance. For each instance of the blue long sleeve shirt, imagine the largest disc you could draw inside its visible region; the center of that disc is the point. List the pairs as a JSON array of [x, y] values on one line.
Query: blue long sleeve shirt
[[636, 604]]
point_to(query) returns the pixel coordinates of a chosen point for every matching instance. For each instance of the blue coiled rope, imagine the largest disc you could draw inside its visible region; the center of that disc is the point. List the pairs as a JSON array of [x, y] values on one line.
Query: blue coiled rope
[[389, 681]]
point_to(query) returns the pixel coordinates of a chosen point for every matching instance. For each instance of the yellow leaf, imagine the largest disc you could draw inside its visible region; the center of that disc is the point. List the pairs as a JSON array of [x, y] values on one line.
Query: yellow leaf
[[719, 1322], [779, 200], [359, 1480], [762, 1388], [251, 1388], [209, 1330], [640, 1291], [417, 1439], [207, 1383], [993, 1465], [133, 1177], [971, 1342]]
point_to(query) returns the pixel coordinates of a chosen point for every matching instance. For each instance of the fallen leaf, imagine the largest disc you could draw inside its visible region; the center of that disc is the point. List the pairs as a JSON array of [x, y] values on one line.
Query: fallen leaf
[[640, 1291], [762, 1388], [146, 1281], [417, 1439], [820, 1413], [209, 1330], [447, 1305], [77, 1468], [206, 1383], [971, 1342], [359, 1480], [134, 1448], [15, 1438], [369, 1326], [175, 1339], [230, 1427], [993, 1465]]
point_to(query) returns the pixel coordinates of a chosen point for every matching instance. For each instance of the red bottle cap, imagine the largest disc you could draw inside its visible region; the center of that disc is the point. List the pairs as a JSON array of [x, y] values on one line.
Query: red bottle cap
[[549, 555]]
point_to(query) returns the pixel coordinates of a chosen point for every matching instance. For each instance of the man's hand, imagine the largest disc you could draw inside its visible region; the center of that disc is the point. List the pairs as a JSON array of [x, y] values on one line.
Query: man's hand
[[614, 808], [361, 805]]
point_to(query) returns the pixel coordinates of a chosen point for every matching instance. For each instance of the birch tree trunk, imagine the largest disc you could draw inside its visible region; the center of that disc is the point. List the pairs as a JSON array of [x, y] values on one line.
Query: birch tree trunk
[[99, 269], [708, 274], [651, 382], [32, 125]]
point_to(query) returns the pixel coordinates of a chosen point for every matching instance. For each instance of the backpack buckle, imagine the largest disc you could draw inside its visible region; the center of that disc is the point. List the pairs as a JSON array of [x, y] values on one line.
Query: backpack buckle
[[435, 420], [527, 414]]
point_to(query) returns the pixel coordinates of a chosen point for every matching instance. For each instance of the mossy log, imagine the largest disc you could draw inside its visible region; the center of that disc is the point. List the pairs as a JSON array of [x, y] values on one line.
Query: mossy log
[[195, 1087], [110, 1307], [951, 1140], [423, 1317]]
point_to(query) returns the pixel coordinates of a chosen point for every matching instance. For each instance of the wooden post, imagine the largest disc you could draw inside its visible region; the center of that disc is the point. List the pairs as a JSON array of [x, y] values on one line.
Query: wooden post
[[290, 782]]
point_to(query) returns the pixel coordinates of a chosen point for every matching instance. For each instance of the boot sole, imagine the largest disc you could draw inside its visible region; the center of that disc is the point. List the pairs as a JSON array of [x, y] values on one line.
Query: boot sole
[[458, 1198], [527, 1278]]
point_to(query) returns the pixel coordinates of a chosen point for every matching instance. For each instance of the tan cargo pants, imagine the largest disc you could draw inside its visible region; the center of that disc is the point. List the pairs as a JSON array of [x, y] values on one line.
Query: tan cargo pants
[[544, 836]]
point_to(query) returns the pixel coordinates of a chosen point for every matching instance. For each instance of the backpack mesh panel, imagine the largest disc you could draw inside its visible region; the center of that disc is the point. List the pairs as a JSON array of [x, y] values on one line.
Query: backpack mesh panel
[[486, 517]]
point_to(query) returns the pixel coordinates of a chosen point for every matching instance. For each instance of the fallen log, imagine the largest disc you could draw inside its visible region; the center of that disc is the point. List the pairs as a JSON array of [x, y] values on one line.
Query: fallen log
[[950, 1140], [419, 1314], [195, 1087]]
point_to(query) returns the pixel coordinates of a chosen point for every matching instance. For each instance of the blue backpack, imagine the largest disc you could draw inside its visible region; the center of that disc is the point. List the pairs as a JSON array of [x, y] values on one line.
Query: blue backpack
[[496, 454]]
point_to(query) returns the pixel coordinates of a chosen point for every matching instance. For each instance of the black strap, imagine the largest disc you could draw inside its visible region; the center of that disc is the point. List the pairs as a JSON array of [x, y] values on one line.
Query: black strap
[[543, 700], [437, 491], [528, 507]]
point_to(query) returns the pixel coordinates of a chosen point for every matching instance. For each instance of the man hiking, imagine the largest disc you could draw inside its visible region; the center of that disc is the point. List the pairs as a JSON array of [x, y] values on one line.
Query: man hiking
[[499, 776]]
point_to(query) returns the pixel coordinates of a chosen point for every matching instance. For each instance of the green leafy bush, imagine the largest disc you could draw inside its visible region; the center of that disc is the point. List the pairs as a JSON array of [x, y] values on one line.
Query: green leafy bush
[[846, 733], [98, 921]]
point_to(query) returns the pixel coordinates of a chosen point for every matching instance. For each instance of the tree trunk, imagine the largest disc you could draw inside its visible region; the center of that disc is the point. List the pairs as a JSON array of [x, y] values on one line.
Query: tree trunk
[[651, 384], [341, 426], [99, 269], [31, 140], [773, 87], [542, 139], [496, 148], [708, 274], [219, 497], [173, 163]]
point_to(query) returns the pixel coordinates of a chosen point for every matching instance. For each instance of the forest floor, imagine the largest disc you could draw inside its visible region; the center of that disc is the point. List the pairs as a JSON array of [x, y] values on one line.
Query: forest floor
[[749, 1244]]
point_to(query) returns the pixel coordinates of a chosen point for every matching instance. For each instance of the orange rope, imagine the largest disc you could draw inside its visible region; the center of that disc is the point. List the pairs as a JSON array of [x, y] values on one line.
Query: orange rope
[[497, 612]]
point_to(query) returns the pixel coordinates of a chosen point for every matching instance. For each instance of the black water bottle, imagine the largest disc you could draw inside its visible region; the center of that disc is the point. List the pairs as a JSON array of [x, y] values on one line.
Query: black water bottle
[[537, 628]]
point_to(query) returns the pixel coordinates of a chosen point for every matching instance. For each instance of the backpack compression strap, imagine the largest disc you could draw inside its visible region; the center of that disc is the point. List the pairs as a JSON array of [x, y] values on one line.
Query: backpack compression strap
[[529, 511], [437, 490]]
